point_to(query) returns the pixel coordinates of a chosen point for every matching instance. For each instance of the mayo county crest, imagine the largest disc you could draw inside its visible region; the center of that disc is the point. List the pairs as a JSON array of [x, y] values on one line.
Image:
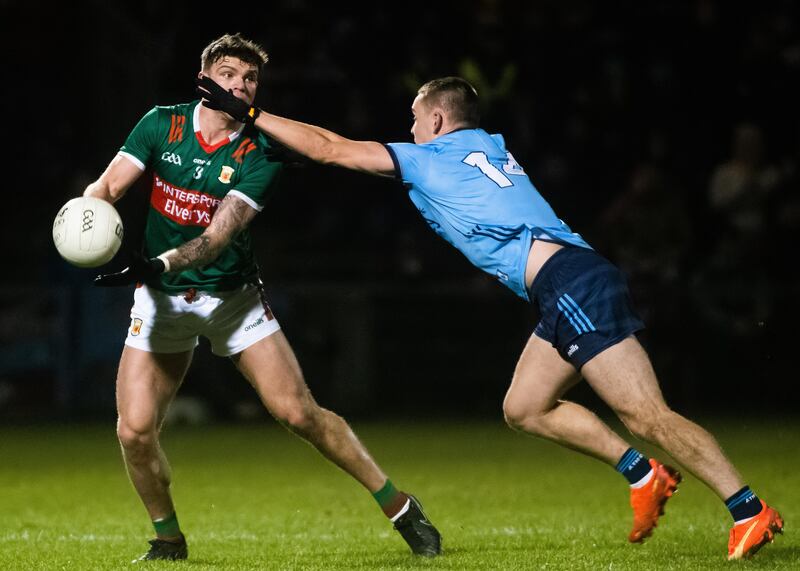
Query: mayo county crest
[[136, 326], [226, 174]]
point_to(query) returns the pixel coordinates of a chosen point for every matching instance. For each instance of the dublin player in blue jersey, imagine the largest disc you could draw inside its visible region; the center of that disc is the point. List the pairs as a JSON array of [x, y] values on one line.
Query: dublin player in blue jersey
[[472, 192]]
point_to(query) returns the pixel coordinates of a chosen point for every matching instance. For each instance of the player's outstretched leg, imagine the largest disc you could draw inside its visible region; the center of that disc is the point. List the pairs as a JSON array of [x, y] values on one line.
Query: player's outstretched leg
[[271, 367], [648, 498], [420, 534], [750, 535]]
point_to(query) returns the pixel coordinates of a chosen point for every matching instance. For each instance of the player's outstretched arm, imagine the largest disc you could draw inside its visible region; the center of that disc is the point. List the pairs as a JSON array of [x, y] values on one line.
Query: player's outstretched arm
[[119, 175], [314, 142], [326, 146]]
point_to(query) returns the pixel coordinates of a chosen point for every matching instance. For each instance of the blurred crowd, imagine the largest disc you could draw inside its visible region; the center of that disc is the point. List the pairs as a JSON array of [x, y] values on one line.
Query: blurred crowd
[[666, 133]]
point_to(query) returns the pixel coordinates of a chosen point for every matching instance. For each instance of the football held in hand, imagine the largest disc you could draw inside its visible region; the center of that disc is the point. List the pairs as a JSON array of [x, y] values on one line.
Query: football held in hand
[[87, 232]]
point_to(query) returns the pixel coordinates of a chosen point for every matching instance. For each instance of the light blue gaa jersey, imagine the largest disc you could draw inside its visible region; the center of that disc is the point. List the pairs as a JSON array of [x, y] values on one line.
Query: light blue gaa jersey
[[473, 194]]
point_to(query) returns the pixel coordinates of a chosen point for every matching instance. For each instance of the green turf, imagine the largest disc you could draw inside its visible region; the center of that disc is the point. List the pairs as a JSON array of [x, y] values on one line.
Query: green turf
[[254, 497]]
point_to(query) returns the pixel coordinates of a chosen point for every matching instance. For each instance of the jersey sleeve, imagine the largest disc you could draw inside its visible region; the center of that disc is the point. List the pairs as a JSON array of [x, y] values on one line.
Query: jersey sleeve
[[142, 141], [259, 178], [411, 161]]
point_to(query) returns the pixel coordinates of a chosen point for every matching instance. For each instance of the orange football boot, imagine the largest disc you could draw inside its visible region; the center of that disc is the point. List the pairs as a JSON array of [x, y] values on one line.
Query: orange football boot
[[752, 534], [648, 501]]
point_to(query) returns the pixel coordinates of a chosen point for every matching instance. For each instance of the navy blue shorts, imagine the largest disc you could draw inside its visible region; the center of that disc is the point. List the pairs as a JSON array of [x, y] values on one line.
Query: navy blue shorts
[[584, 303]]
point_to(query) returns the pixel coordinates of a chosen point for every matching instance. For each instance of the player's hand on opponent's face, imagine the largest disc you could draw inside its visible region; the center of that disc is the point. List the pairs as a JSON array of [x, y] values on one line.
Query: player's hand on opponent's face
[[217, 98], [140, 270]]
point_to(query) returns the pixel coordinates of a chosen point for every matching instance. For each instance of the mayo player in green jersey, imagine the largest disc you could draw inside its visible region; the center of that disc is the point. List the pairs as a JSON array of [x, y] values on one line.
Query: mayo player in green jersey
[[198, 276], [472, 192]]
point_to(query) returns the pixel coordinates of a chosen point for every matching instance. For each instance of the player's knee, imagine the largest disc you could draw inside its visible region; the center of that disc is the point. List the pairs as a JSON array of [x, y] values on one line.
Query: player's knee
[[512, 416], [648, 425], [519, 417], [300, 418], [134, 440]]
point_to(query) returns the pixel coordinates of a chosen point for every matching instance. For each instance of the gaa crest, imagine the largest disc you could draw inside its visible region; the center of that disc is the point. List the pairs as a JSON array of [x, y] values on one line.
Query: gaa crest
[[225, 175]]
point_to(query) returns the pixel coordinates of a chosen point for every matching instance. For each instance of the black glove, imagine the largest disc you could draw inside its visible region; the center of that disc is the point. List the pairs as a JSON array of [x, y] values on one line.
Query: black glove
[[220, 100], [140, 270]]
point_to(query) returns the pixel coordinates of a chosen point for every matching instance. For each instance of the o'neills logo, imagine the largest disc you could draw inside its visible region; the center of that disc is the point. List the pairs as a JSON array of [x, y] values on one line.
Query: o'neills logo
[[186, 207]]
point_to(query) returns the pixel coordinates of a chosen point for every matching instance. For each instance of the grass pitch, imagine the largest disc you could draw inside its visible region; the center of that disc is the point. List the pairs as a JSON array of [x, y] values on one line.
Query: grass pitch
[[255, 497]]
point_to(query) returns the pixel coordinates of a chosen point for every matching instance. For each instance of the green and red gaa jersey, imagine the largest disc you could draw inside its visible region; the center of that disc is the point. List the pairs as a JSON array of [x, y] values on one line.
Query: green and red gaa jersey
[[190, 179]]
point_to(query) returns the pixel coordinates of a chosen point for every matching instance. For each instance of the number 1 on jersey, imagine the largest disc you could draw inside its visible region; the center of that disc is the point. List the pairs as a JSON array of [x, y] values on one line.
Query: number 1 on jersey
[[479, 159]]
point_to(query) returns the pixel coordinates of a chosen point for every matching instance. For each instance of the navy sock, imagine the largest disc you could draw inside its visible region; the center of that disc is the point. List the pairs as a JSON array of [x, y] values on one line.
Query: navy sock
[[743, 504], [633, 465]]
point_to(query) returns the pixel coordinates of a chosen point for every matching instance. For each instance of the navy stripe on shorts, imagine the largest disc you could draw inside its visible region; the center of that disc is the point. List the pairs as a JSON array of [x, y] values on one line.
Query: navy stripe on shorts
[[584, 303]]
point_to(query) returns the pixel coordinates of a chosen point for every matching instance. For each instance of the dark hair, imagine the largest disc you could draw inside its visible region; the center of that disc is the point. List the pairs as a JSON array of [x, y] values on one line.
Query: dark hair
[[233, 46], [456, 97]]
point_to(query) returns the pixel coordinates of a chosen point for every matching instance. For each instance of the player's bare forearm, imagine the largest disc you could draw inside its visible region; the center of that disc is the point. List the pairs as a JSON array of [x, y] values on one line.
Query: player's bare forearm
[[314, 142], [327, 147], [194, 253], [232, 216]]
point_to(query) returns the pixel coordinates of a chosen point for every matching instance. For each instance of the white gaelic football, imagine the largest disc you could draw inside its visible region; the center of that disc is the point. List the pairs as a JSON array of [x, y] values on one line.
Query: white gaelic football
[[87, 232]]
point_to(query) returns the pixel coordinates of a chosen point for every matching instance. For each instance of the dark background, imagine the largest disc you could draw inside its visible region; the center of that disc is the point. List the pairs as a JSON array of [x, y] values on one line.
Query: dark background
[[666, 133]]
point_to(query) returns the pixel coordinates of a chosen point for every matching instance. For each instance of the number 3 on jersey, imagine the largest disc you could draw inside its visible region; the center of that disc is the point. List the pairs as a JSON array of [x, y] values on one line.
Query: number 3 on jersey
[[480, 160]]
